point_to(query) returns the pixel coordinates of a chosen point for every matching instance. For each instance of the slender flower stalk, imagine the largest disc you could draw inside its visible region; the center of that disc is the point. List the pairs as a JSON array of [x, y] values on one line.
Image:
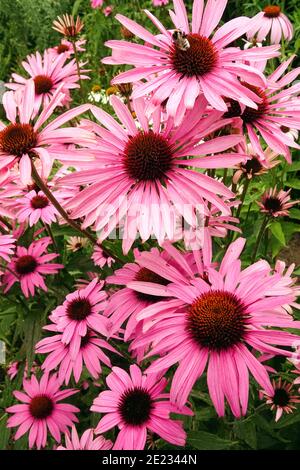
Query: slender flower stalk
[[260, 235]]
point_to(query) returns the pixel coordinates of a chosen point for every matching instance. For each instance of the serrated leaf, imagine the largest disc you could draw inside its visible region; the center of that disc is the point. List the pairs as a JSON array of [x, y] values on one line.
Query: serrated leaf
[[203, 440]]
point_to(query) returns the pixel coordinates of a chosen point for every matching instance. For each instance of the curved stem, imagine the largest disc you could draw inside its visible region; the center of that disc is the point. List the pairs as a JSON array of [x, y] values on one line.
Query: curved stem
[[243, 196], [259, 237], [40, 183]]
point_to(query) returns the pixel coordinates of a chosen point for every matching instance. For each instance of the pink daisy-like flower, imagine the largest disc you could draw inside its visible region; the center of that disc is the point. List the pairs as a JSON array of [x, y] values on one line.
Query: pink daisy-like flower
[[66, 47], [35, 206], [276, 203], [153, 179], [29, 265], [79, 312], [86, 442], [276, 113], [107, 11], [23, 139], [100, 258], [179, 66], [136, 403], [96, 3], [256, 165], [282, 400], [159, 3], [271, 20], [214, 322], [48, 74], [61, 355], [7, 247], [41, 411]]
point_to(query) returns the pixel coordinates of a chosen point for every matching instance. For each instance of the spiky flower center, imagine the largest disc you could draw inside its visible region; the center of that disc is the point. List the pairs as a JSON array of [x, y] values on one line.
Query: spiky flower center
[[281, 397], [79, 309], [199, 59], [273, 204], [85, 340], [39, 202], [62, 48], [272, 11], [147, 157], [43, 84], [41, 407], [217, 320], [18, 139], [252, 166], [248, 115], [26, 264], [145, 275], [135, 406]]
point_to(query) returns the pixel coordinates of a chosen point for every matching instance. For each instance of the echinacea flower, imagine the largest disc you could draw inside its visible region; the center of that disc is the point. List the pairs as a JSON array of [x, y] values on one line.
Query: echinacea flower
[[282, 399], [61, 355], [76, 243], [277, 111], [48, 74], [159, 3], [177, 74], [271, 21], [276, 203], [35, 206], [67, 26], [214, 323], [7, 247], [153, 180], [107, 11], [24, 140], [256, 165], [96, 3], [41, 411], [100, 258], [66, 47], [136, 403], [88, 441], [29, 266], [79, 312]]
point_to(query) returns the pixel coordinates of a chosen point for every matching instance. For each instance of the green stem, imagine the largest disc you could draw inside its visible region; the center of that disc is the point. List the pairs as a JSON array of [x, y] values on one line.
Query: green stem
[[245, 189], [225, 173], [260, 235], [5, 222], [78, 67]]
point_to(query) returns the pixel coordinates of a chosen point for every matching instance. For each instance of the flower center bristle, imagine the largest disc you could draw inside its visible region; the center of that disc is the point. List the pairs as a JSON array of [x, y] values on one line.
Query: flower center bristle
[[41, 407], [26, 264], [43, 84], [62, 48], [273, 204], [281, 397], [272, 11], [147, 157], [249, 115], [85, 340], [39, 202], [145, 275], [217, 320], [252, 166], [135, 406], [18, 139], [79, 309], [199, 59]]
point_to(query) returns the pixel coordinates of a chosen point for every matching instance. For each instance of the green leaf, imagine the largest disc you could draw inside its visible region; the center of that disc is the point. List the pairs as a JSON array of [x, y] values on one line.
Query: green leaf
[[293, 167], [4, 432], [277, 231], [294, 213], [246, 431], [202, 440], [293, 183]]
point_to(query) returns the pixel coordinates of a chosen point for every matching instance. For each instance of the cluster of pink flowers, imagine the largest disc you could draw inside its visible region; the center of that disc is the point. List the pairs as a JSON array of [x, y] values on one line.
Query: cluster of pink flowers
[[199, 104]]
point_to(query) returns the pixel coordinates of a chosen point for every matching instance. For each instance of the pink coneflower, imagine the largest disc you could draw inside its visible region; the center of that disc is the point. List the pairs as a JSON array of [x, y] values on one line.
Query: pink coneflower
[[96, 3], [79, 312], [179, 71], [276, 203], [153, 180], [7, 247], [41, 411], [15, 366], [48, 74], [281, 399], [136, 404], [86, 442], [35, 206], [23, 140], [159, 3], [214, 322], [62, 356], [66, 47], [107, 11], [277, 111], [101, 259], [76, 243], [68, 26], [256, 165], [30, 265], [271, 20]]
